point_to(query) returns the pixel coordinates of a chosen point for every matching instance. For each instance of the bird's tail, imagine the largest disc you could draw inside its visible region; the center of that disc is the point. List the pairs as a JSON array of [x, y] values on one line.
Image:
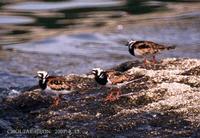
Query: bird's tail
[[170, 47]]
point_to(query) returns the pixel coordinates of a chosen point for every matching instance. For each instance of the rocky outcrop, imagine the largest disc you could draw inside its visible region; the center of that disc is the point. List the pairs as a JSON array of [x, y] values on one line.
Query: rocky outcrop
[[161, 100]]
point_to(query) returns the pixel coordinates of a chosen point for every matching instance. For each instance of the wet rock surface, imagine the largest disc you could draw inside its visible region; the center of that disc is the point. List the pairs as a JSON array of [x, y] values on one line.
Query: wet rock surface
[[161, 100]]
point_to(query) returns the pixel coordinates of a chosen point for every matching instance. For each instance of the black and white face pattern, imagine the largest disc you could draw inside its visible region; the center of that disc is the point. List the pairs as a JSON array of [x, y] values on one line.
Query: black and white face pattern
[[130, 45], [101, 76], [42, 75]]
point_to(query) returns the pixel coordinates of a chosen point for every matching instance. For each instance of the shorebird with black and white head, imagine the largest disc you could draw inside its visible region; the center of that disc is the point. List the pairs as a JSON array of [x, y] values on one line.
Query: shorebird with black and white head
[[146, 49], [56, 85], [102, 78]]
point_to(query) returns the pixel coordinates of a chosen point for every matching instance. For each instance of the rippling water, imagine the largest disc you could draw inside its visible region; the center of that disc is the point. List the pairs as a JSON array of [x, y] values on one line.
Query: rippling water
[[73, 36]]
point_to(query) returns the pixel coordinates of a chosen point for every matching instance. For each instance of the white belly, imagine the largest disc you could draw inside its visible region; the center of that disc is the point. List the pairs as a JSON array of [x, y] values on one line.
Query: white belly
[[48, 90], [138, 53]]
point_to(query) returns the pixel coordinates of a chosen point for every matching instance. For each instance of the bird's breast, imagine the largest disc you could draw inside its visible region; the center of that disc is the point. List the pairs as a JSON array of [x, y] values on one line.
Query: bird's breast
[[138, 52], [131, 51], [101, 81]]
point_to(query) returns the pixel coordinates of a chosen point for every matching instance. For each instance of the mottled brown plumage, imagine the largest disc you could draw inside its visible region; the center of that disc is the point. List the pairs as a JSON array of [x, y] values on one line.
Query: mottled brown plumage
[[115, 77], [58, 83], [54, 84], [107, 78], [146, 49], [150, 48]]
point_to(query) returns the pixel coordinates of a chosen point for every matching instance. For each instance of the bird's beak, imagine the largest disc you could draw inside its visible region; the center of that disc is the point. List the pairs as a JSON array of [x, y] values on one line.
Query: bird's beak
[[127, 43], [35, 76]]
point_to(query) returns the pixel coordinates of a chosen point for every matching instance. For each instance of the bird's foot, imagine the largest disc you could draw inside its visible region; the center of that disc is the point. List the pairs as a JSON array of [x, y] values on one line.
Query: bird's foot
[[154, 61], [145, 63], [56, 102], [113, 96]]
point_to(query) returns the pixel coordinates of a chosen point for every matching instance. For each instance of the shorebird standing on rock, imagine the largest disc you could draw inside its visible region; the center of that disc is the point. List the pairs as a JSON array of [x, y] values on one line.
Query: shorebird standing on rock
[[56, 85], [102, 78], [146, 49]]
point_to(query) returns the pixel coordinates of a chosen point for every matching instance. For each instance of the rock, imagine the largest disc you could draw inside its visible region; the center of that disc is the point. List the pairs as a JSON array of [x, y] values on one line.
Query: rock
[[161, 100]]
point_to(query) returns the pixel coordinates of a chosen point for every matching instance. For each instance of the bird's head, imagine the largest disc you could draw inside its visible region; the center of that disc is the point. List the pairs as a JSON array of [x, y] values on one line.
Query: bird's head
[[101, 76], [130, 43], [97, 71], [42, 75]]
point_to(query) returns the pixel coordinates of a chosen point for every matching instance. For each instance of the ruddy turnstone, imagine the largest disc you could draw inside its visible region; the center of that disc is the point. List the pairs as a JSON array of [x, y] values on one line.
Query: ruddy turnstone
[[102, 78], [146, 49], [56, 85]]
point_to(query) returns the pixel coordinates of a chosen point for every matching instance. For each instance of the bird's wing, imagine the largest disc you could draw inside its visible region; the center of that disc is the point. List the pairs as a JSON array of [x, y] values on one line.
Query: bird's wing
[[145, 47], [155, 48], [58, 83]]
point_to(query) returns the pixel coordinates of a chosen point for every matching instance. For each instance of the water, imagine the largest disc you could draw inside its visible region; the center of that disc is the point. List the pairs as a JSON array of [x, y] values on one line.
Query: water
[[74, 36]]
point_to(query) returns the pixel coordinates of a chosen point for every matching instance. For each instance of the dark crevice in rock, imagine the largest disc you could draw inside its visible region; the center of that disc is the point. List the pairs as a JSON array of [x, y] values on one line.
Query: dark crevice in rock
[[194, 71]]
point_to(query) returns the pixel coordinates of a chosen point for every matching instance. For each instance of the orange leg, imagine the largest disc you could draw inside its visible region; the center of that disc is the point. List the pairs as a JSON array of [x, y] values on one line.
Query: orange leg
[[154, 60], [114, 95], [56, 101], [145, 63]]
